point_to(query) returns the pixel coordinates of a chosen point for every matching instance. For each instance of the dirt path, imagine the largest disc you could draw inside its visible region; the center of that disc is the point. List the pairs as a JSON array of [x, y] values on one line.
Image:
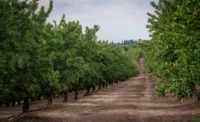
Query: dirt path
[[132, 100]]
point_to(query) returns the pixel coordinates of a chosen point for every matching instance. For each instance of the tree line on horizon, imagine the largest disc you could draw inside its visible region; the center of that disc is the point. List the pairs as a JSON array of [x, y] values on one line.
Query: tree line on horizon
[[130, 42]]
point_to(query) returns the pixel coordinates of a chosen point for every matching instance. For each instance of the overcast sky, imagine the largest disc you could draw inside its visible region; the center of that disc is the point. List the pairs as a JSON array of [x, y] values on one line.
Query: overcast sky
[[118, 19]]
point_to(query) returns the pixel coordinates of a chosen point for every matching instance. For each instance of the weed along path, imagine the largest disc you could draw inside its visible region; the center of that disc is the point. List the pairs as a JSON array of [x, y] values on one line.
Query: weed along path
[[129, 101]]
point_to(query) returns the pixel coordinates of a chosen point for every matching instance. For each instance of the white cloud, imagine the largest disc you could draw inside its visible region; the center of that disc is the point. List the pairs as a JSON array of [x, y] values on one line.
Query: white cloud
[[118, 19]]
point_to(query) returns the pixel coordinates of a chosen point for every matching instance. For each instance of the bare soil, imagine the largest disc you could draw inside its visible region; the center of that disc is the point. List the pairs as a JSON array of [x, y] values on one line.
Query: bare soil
[[133, 100]]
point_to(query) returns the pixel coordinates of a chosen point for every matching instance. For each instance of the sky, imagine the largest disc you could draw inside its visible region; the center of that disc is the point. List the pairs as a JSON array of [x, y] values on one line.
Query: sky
[[118, 19]]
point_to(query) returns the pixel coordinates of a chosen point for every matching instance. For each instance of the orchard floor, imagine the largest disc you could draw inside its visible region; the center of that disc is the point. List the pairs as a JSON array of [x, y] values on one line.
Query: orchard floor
[[130, 101]]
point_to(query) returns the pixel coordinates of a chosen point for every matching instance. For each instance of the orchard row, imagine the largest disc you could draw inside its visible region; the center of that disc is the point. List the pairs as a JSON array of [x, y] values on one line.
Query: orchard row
[[40, 59]]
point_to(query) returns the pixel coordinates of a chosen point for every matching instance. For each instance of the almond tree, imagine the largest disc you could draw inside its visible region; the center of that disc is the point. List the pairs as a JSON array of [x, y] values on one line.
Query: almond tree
[[173, 52]]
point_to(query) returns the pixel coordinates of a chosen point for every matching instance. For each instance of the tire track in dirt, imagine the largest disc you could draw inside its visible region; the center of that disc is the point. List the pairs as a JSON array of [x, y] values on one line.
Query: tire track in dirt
[[132, 100]]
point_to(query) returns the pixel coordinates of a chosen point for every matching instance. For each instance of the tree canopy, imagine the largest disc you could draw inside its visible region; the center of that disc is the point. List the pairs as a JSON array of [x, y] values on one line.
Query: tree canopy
[[173, 53]]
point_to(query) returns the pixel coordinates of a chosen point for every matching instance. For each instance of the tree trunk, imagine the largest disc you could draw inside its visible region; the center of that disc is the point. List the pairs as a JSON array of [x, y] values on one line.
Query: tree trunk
[[65, 96], [50, 99], [13, 102], [106, 84], [103, 84], [7, 104], [93, 88], [39, 98], [99, 86], [32, 99], [87, 91], [76, 95], [198, 96], [26, 105], [18, 102]]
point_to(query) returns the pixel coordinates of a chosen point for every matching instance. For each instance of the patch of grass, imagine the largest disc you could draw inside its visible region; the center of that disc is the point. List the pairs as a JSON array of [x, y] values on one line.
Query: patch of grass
[[193, 118]]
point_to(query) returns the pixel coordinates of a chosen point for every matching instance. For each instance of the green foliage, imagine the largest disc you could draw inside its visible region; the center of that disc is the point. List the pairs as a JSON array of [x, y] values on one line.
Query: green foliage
[[173, 52], [20, 47], [43, 59]]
